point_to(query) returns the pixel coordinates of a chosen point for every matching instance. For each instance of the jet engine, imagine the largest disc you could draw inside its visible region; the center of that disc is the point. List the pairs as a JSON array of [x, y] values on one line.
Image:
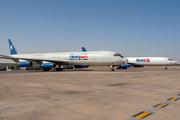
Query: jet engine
[[126, 65], [81, 66], [138, 65], [25, 64], [48, 65]]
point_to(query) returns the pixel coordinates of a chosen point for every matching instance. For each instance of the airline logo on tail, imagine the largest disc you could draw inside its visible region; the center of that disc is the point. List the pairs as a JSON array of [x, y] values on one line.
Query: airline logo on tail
[[143, 60], [11, 47], [83, 56]]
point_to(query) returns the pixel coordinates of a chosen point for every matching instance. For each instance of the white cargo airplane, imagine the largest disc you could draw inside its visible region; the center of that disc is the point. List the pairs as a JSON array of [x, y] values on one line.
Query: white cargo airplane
[[148, 61], [145, 61], [50, 60]]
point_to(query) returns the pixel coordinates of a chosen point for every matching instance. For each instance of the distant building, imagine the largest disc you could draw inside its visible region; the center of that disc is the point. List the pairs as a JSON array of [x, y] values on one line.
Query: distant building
[[13, 66]]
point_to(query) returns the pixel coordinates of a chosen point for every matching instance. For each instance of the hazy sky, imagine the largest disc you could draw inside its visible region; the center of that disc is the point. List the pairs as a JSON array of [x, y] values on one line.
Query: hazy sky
[[130, 27]]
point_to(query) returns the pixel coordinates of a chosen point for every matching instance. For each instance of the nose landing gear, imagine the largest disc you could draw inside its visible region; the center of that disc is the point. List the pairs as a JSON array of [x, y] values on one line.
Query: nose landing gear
[[112, 68]]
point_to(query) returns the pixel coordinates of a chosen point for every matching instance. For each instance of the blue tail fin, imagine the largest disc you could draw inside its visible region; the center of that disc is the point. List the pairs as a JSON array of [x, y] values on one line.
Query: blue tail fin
[[84, 49], [12, 48]]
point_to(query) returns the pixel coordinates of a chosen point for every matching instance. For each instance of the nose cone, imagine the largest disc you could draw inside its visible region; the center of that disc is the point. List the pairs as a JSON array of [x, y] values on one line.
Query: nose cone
[[125, 60]]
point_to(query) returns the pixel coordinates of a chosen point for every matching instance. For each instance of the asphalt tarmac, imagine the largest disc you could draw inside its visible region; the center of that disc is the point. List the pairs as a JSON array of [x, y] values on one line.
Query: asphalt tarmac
[[90, 94]]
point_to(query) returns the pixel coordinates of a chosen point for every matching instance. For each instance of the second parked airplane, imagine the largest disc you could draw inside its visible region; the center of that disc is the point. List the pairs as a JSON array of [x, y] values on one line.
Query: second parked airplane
[[145, 61]]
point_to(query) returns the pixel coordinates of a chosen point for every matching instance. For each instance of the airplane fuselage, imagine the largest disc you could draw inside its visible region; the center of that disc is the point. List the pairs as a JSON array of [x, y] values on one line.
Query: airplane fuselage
[[150, 61], [75, 58]]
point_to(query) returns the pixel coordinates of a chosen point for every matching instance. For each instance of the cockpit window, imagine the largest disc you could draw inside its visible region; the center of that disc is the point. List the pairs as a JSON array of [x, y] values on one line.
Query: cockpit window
[[170, 59], [118, 55]]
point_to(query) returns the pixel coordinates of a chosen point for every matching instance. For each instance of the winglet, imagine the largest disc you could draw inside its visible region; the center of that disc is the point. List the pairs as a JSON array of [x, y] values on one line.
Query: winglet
[[84, 49], [12, 48]]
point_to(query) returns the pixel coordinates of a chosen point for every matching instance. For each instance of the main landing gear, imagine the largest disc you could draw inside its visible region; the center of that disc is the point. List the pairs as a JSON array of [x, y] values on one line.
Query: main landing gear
[[112, 69], [56, 68], [59, 69]]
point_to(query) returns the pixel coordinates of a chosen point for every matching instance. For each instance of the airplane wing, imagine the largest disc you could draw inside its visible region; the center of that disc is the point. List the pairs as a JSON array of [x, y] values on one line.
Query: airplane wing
[[130, 63], [7, 57], [59, 62]]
